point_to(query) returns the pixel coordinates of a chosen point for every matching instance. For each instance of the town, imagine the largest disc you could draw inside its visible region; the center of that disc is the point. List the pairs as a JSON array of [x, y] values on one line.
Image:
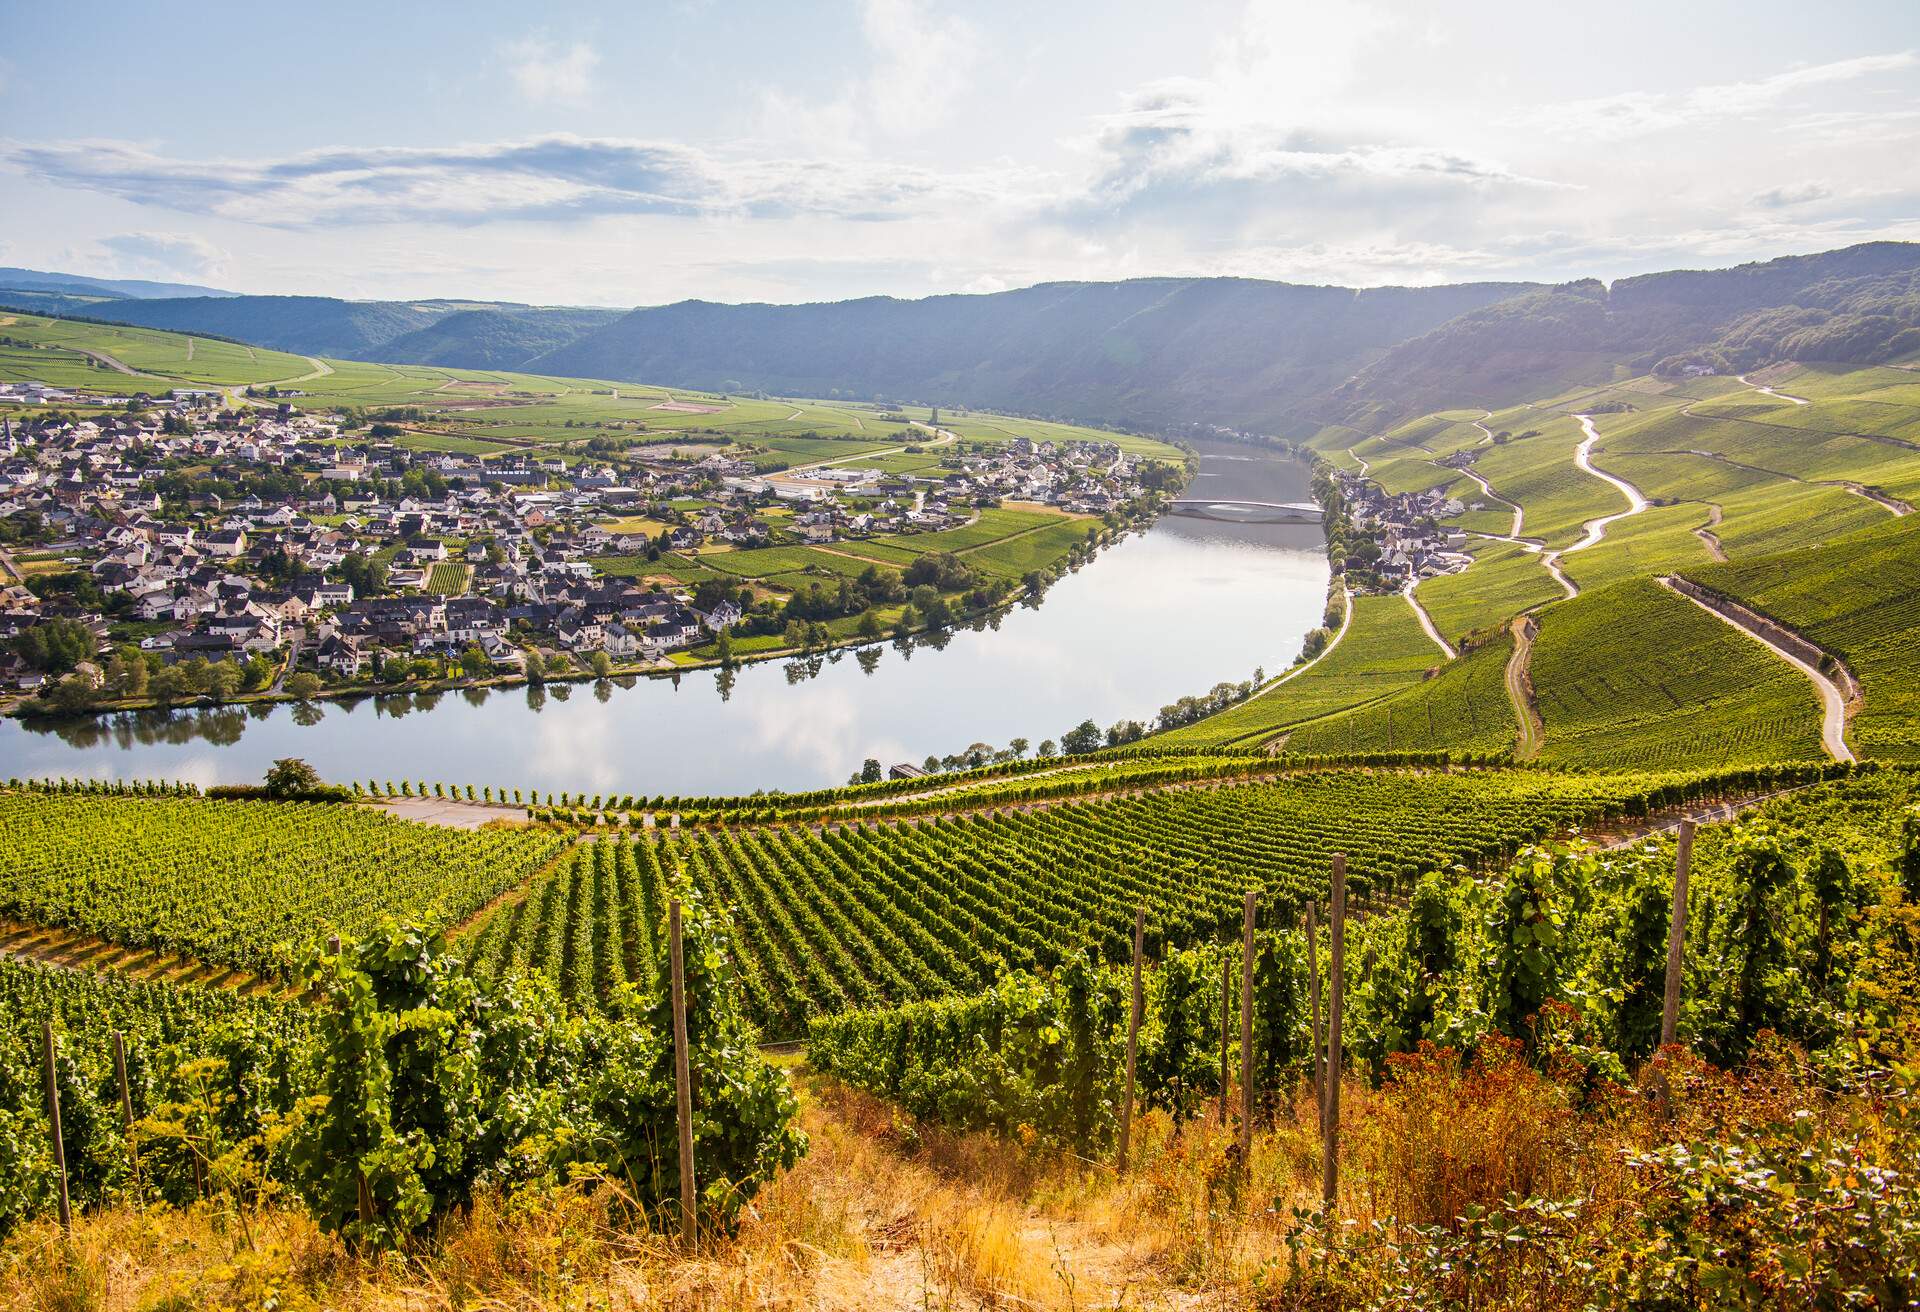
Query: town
[[1399, 539], [204, 544]]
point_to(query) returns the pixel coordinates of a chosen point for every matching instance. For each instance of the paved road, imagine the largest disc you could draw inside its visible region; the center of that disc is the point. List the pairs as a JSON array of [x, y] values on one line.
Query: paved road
[[1797, 400], [293, 659], [1833, 701], [1426, 620]]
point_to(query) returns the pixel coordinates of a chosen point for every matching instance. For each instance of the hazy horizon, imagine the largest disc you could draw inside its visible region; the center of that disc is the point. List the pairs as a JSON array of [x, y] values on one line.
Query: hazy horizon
[[756, 152]]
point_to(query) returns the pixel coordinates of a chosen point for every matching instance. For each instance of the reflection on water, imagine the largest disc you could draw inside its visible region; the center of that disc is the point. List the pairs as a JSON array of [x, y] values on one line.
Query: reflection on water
[[1165, 613]]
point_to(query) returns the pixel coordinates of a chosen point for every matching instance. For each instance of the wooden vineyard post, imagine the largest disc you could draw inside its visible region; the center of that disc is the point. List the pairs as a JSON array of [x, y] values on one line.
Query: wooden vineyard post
[[1319, 1053], [1133, 1039], [362, 1195], [1677, 935], [126, 1105], [1246, 1032], [1226, 1019], [53, 1120], [682, 1076], [1336, 967]]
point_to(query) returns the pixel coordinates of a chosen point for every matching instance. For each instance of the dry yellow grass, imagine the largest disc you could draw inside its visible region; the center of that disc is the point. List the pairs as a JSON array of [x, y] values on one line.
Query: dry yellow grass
[[881, 1215]]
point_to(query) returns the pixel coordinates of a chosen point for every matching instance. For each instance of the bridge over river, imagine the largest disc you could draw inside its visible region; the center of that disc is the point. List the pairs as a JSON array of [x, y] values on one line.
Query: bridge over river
[[1246, 512]]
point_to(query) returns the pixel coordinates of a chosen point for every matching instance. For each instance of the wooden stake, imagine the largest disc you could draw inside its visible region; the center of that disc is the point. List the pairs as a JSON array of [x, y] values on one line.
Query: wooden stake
[[53, 1119], [1133, 1038], [1319, 1052], [682, 1077], [1336, 969], [1226, 1020], [1677, 935], [1246, 1031], [126, 1104]]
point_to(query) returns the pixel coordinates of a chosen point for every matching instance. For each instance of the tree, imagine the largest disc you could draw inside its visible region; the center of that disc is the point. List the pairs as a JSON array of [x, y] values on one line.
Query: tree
[[1082, 738], [224, 679], [127, 677], [723, 650], [54, 646], [73, 694], [290, 775], [1018, 747], [303, 685], [602, 665], [870, 772], [171, 684], [474, 662], [536, 668], [1046, 750]]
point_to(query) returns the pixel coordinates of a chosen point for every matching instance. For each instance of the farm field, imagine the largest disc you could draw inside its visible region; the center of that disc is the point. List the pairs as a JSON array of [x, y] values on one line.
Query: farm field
[[1384, 650], [1503, 581], [243, 884], [1632, 675], [1539, 475], [191, 361], [872, 914], [1858, 598], [1463, 708], [449, 577]]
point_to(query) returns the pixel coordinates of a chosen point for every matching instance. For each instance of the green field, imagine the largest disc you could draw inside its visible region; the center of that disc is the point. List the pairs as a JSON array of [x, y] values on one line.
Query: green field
[[1539, 475], [149, 354], [449, 577], [1631, 675], [1503, 580], [1384, 650], [245, 884], [1463, 707], [1858, 598]]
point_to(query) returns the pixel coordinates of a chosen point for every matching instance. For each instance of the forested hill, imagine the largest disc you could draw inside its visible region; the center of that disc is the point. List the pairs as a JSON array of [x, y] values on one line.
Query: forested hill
[[462, 334], [1859, 305], [1145, 353], [1142, 352]]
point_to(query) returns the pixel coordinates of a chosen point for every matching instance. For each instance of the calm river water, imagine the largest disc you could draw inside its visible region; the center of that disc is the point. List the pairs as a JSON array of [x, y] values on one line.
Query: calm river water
[[1165, 613]]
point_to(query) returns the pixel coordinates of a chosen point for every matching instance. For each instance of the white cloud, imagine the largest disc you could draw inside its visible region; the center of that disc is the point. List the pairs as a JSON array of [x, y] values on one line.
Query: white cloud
[[1638, 112], [164, 255], [1798, 193], [547, 73], [557, 177], [916, 69]]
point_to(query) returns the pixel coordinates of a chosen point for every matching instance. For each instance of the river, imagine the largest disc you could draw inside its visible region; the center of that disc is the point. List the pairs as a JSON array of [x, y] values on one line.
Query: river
[[1166, 612]]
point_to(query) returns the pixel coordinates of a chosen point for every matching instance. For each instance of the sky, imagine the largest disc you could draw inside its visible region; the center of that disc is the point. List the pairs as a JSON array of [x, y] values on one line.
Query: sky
[[635, 152]]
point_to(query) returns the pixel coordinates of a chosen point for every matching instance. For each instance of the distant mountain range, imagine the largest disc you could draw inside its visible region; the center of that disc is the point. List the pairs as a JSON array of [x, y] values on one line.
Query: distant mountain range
[[110, 288], [1147, 353]]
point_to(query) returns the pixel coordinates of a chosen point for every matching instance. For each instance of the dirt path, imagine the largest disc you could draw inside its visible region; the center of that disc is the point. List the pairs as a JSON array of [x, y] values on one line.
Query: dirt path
[[1526, 710], [1426, 620], [107, 361], [1365, 468], [448, 811], [1706, 534], [1833, 700], [190, 349]]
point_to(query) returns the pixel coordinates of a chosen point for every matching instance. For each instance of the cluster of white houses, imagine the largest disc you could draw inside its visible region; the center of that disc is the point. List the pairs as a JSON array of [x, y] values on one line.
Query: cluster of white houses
[[203, 532]]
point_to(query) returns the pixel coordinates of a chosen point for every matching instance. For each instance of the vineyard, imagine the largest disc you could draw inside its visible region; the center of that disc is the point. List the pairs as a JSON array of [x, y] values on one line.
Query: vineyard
[[868, 914], [1632, 675], [1858, 598], [1383, 650], [1782, 906], [243, 884], [1464, 707]]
